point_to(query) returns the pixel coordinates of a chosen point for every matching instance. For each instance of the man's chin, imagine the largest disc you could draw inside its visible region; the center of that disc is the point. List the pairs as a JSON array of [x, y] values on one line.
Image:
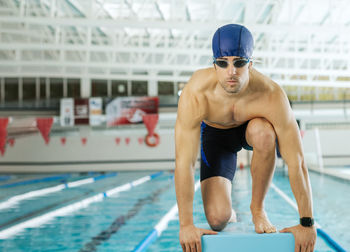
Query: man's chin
[[231, 91]]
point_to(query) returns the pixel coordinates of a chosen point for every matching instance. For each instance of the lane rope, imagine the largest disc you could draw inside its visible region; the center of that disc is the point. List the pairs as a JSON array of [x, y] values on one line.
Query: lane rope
[[160, 227], [104, 235], [38, 180], [42, 219], [326, 237], [37, 193]]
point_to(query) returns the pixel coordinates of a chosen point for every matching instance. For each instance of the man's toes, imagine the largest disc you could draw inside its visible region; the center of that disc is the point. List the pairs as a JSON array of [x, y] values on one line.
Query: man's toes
[[259, 229], [270, 229]]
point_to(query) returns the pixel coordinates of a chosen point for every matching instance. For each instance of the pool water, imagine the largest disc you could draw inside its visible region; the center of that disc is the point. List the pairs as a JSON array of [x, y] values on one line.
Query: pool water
[[120, 222]]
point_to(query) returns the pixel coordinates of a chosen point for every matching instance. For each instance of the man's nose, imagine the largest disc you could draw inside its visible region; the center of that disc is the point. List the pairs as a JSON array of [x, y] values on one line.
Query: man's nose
[[231, 69]]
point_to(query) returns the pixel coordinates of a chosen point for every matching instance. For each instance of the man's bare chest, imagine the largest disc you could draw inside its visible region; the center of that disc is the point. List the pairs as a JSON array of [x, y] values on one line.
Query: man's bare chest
[[226, 115]]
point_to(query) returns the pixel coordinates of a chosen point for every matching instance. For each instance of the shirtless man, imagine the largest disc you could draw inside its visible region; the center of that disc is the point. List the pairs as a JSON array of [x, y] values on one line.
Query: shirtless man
[[229, 107]]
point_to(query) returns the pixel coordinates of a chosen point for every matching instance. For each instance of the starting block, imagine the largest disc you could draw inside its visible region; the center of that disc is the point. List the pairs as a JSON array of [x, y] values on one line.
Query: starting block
[[242, 237]]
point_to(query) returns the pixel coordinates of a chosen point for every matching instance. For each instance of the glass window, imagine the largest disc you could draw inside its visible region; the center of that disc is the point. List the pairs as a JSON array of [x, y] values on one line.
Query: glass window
[[73, 88], [42, 88], [165, 88], [99, 88], [11, 89], [139, 88], [119, 88], [56, 88], [29, 90]]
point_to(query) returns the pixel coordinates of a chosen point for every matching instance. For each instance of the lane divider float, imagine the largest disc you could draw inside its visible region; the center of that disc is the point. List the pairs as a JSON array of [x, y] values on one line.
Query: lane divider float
[[42, 219], [160, 227], [37, 193], [37, 180]]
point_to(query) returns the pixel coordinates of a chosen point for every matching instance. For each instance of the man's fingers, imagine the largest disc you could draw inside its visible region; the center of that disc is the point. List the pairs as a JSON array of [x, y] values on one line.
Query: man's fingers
[[208, 232], [312, 247], [198, 246], [297, 248], [303, 248], [193, 247], [285, 230], [308, 248]]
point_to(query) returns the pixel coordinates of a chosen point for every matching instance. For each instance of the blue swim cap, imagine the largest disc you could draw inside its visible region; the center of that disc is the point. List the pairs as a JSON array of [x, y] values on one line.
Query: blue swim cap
[[233, 40]]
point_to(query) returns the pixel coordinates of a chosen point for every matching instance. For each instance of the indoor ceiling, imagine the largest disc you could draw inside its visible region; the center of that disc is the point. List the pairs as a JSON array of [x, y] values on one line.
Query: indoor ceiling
[[296, 42]]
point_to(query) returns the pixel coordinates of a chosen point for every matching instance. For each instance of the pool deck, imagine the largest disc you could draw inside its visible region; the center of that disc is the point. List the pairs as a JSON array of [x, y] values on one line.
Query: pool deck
[[341, 173], [242, 237]]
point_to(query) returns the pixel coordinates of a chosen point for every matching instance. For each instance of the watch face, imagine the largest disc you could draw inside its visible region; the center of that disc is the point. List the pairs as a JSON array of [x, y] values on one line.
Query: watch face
[[307, 222]]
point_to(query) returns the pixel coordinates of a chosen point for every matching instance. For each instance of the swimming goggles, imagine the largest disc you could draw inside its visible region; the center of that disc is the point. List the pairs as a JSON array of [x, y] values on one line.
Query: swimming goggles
[[237, 63]]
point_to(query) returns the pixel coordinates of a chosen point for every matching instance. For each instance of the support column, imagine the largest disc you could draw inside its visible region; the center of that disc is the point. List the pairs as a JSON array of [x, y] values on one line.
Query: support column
[[20, 90], [65, 88], [152, 85], [2, 87], [109, 88], [129, 88], [47, 86], [85, 88]]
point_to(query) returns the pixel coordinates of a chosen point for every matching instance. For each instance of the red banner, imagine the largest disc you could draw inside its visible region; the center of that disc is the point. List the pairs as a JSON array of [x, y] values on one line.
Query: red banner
[[130, 110]]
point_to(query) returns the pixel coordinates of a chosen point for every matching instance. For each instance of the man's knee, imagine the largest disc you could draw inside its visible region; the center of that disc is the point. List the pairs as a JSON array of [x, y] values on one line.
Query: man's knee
[[261, 135], [218, 218]]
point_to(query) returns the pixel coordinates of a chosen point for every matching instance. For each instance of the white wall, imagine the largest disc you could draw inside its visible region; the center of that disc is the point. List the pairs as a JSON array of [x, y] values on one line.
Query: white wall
[[30, 154], [334, 146]]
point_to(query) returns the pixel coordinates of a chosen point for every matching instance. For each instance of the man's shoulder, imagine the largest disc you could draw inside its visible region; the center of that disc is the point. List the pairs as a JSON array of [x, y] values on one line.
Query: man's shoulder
[[201, 78], [266, 84]]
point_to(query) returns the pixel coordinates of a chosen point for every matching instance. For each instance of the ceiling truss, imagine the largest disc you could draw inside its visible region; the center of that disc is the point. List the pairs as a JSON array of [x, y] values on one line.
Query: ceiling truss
[[166, 40]]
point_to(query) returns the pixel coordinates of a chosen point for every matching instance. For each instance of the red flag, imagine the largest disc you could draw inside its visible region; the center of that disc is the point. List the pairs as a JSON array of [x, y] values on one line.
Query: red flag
[[44, 125], [140, 140], [127, 140], [150, 120], [3, 134], [63, 140], [2, 150], [117, 140], [84, 140], [11, 142]]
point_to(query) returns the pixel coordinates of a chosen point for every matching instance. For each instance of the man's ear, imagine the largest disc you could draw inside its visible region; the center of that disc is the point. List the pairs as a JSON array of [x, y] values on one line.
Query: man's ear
[[250, 65]]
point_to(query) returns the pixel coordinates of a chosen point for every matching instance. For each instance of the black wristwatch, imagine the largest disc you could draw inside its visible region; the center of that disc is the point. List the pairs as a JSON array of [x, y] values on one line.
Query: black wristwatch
[[307, 221]]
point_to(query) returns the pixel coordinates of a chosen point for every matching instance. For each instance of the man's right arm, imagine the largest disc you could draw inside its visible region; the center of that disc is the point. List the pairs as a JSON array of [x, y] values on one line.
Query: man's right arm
[[187, 134], [187, 138]]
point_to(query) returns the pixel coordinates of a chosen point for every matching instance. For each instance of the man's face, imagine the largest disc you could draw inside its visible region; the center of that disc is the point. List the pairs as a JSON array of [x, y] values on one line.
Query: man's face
[[232, 78]]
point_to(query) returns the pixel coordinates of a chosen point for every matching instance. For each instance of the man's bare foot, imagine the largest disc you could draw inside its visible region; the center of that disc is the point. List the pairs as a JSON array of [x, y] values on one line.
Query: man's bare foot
[[233, 217], [262, 223]]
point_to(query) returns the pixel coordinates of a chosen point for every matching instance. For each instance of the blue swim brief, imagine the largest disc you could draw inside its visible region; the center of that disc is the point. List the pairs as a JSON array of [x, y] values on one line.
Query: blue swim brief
[[219, 149]]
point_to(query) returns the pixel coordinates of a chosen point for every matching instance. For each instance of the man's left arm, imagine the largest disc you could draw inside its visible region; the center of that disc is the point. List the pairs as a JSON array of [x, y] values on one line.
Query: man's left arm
[[290, 146]]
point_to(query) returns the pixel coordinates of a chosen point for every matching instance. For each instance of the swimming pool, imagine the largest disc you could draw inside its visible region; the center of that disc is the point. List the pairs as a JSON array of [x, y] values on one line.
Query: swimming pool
[[119, 222]]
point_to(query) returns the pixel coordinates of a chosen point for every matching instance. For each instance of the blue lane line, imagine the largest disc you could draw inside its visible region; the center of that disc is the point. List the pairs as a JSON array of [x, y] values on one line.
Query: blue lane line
[[105, 176], [157, 174], [160, 227], [326, 237], [149, 239], [8, 229], [332, 243], [4, 178], [34, 181], [119, 222]]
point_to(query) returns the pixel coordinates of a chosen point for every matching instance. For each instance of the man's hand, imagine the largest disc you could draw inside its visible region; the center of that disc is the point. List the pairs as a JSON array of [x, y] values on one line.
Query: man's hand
[[305, 237], [190, 238]]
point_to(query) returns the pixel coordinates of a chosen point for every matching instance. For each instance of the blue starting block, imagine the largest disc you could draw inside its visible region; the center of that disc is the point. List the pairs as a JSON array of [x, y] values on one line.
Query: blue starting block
[[242, 237]]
